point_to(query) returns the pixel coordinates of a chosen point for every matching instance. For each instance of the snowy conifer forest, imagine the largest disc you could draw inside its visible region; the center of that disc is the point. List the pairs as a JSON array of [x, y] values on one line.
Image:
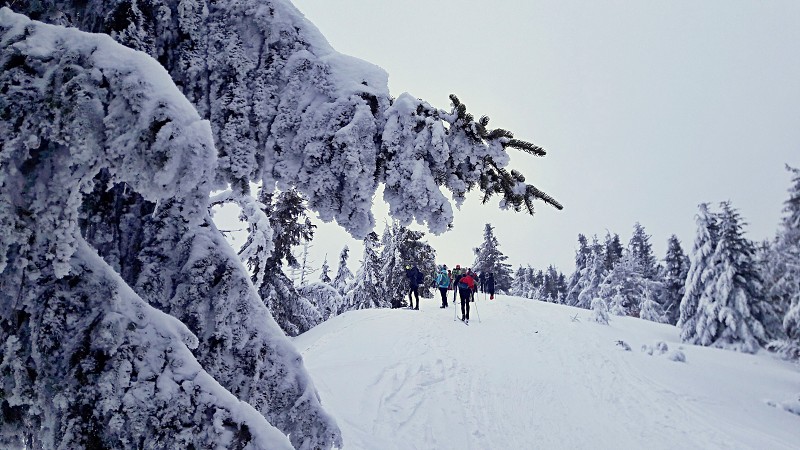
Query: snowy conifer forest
[[127, 318]]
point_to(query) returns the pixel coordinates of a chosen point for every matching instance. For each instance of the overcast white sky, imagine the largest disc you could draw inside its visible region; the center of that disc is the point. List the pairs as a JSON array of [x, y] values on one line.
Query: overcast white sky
[[646, 108]]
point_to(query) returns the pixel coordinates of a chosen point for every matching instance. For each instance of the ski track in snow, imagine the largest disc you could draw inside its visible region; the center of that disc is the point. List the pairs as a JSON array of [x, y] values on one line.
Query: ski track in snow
[[525, 376]]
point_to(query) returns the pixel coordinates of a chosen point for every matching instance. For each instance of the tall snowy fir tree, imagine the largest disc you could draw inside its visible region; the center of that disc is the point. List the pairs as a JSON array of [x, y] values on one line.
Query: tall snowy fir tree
[[699, 277], [343, 274], [641, 249], [781, 271], [624, 286], [393, 270], [728, 312], [291, 114], [553, 285], [592, 276], [324, 271], [613, 250], [676, 268], [574, 284], [414, 250], [650, 309], [367, 290], [489, 259], [517, 286], [290, 227]]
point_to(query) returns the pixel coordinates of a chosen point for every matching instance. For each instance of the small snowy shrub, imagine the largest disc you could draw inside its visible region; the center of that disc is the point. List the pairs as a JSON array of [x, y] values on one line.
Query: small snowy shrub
[[599, 311], [677, 356], [660, 348], [624, 345]]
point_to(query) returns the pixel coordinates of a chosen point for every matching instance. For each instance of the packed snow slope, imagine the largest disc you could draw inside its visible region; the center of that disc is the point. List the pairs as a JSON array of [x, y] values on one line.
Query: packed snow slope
[[527, 376]]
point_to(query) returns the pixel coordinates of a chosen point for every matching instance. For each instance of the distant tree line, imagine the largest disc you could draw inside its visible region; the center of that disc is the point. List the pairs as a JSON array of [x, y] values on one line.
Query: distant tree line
[[728, 292]]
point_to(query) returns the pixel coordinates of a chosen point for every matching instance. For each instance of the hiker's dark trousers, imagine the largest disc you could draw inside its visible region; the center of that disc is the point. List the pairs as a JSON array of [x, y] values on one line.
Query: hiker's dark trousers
[[464, 294], [443, 290]]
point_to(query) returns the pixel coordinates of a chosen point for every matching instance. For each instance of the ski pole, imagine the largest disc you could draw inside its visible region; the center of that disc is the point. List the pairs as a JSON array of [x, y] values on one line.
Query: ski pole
[[455, 307], [477, 312]]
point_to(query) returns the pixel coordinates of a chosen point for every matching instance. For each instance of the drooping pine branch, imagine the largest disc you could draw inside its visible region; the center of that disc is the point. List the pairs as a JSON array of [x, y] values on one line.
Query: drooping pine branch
[[526, 147], [495, 179]]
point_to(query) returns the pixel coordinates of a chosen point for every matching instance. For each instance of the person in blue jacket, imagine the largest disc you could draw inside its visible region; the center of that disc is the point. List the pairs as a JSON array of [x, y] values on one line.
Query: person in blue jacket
[[443, 283]]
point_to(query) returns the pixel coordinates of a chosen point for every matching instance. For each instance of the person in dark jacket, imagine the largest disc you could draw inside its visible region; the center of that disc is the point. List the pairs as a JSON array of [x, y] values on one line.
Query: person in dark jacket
[[457, 274], [482, 282], [466, 284], [415, 278], [490, 285]]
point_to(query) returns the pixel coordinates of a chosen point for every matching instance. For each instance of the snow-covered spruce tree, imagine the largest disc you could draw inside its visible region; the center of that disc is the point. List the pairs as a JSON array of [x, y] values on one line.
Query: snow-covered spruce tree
[[676, 268], [393, 271], [404, 247], [538, 285], [624, 287], [700, 274], [85, 363], [343, 274], [561, 288], [290, 226], [592, 276], [725, 310], [414, 249], [489, 259], [642, 250], [768, 264], [650, 309], [528, 288], [789, 247], [537, 279], [613, 250], [325, 298], [782, 271], [517, 286], [324, 272], [575, 282], [551, 287], [366, 290]]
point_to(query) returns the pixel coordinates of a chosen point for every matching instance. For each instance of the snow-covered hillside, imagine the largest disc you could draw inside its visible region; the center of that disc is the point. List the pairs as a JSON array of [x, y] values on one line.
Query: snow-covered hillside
[[527, 376]]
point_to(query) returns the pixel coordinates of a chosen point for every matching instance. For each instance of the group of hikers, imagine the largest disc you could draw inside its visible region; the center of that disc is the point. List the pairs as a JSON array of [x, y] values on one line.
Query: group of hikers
[[463, 283]]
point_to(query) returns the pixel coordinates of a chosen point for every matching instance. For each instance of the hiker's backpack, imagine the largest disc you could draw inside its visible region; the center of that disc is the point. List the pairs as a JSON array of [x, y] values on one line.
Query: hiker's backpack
[[464, 284], [442, 280]]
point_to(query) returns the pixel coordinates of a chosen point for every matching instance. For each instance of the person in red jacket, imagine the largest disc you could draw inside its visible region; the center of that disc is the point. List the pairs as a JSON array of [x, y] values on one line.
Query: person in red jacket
[[466, 284]]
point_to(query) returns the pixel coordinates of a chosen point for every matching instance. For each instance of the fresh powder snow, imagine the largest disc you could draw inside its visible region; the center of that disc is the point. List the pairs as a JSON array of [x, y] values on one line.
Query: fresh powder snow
[[526, 376]]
